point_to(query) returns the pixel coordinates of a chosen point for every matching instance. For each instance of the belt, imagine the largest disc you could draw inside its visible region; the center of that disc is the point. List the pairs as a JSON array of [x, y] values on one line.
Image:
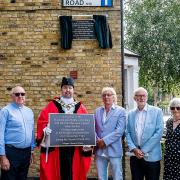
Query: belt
[[13, 147], [9, 145]]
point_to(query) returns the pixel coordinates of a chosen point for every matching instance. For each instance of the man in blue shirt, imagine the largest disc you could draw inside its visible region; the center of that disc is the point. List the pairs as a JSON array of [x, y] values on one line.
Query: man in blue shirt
[[17, 137]]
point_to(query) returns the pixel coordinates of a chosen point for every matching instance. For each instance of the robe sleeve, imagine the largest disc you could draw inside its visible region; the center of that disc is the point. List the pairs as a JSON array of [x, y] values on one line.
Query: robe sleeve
[[43, 120]]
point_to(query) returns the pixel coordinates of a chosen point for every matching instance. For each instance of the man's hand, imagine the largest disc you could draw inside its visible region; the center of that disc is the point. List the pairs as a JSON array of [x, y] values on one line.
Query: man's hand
[[100, 143], [5, 165], [87, 148], [138, 153], [47, 131]]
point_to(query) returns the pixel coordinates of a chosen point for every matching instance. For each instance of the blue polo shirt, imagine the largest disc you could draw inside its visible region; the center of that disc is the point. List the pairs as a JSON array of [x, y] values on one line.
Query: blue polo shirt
[[16, 127]]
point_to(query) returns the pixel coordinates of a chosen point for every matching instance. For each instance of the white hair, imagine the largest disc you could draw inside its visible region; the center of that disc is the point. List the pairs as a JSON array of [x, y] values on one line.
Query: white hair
[[175, 102], [140, 89], [113, 93], [13, 89]]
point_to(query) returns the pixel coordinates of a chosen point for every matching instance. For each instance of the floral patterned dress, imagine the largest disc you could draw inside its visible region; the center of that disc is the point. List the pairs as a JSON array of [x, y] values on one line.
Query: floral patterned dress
[[172, 152]]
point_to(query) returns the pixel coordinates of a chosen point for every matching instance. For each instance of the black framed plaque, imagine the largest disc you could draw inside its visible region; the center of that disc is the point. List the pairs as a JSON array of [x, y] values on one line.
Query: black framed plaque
[[72, 129], [83, 29]]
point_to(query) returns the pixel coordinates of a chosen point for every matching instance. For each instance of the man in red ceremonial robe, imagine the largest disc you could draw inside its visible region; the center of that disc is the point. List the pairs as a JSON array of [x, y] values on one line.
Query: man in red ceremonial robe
[[62, 163]]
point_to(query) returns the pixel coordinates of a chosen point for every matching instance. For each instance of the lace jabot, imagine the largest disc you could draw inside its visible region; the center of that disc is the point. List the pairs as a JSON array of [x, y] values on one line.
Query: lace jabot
[[67, 108]]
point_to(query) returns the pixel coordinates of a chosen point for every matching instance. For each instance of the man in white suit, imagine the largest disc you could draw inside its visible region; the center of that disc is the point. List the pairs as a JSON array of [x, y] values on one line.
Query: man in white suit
[[110, 126], [143, 135]]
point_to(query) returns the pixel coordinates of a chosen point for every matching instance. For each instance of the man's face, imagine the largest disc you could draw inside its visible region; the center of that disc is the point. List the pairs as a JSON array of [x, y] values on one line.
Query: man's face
[[141, 98], [18, 95], [108, 98], [67, 91]]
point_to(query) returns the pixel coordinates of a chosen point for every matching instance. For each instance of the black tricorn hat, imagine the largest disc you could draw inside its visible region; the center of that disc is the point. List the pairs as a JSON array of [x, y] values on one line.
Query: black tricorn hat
[[67, 81]]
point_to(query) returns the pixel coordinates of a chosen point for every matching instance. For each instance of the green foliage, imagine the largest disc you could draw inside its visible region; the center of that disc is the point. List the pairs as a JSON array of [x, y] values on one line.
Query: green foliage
[[164, 105], [163, 148], [153, 31]]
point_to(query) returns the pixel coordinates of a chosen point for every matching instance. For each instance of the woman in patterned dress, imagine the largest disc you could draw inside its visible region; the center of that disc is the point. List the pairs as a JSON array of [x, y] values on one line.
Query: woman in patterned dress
[[172, 143]]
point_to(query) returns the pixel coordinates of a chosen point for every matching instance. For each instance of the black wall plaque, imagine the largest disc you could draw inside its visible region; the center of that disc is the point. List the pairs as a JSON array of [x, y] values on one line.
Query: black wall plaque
[[83, 29], [72, 129]]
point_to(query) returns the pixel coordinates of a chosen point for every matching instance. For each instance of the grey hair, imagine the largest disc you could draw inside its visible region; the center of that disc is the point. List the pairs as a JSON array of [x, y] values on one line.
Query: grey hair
[[175, 102], [113, 92], [140, 89]]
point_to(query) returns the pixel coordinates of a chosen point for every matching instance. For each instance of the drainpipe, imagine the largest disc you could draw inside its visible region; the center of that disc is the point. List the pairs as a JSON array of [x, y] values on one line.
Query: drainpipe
[[122, 54], [122, 75]]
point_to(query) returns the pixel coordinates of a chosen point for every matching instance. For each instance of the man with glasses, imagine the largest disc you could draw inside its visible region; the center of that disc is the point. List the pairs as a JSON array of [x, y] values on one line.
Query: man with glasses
[[143, 135], [17, 137], [110, 126]]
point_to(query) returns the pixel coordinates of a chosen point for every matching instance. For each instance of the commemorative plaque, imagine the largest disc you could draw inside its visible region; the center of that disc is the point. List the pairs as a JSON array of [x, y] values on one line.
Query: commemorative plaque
[[83, 29], [72, 129]]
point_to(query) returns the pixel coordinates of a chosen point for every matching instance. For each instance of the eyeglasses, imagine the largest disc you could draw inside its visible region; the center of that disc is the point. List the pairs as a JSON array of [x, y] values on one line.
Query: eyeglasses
[[18, 94], [108, 95], [173, 108], [141, 95]]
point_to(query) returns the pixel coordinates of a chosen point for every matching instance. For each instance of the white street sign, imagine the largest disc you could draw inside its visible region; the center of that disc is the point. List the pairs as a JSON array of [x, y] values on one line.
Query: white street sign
[[98, 3]]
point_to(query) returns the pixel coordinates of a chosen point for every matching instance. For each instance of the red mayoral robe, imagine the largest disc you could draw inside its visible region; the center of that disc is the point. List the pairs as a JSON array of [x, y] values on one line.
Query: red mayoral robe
[[51, 170]]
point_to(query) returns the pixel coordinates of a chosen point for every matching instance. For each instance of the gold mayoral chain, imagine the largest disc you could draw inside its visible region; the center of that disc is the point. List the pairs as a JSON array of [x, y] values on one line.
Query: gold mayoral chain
[[67, 106]]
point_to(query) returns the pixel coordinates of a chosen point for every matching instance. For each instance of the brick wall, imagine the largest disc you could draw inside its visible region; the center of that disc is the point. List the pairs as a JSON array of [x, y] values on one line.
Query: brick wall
[[30, 55]]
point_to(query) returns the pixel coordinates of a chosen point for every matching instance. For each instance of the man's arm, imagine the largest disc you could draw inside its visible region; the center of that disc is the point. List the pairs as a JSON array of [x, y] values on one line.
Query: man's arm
[[4, 162], [3, 120], [128, 132], [132, 147], [32, 143]]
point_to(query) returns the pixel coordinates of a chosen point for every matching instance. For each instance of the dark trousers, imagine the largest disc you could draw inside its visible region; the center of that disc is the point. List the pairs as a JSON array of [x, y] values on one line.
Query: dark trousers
[[19, 163], [66, 161], [141, 168]]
